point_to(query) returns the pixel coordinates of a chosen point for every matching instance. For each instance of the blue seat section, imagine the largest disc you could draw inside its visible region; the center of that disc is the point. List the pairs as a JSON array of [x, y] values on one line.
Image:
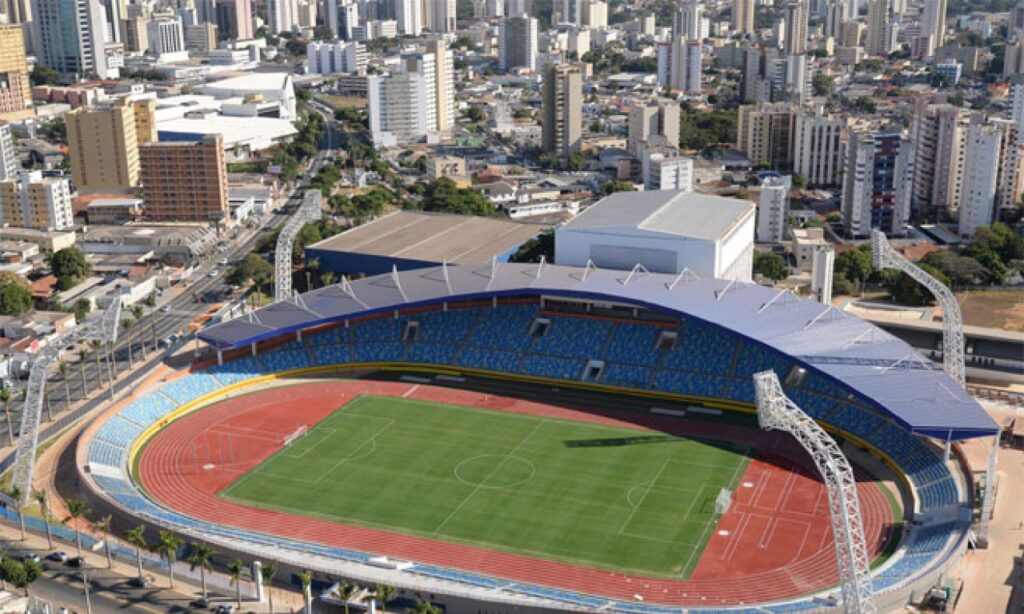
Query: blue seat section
[[634, 344], [118, 432], [237, 371], [286, 360], [113, 485], [106, 454], [573, 338], [754, 358], [630, 376], [939, 494], [148, 409], [505, 328], [332, 336], [374, 352], [824, 385], [454, 575], [591, 603], [815, 405], [331, 354], [191, 387], [931, 538], [552, 366], [491, 360], [922, 464], [701, 348], [445, 326], [381, 329], [294, 344], [856, 420], [435, 353], [691, 383]]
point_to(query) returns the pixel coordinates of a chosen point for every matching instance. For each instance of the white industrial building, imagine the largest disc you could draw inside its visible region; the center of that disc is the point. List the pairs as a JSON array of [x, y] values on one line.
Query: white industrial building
[[665, 231], [272, 87]]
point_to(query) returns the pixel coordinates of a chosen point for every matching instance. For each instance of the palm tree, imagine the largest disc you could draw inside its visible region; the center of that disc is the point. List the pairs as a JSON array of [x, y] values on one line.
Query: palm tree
[[63, 368], [384, 593], [424, 607], [40, 497], [16, 495], [236, 568], [151, 303], [137, 538], [345, 593], [127, 325], [306, 579], [167, 547], [96, 345], [77, 509], [82, 354], [199, 555], [5, 396], [137, 314], [267, 572], [103, 526]]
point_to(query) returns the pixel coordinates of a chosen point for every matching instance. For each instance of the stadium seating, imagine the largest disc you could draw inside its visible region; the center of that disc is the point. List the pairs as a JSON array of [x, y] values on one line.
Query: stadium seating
[[374, 351], [491, 360], [118, 432], [634, 344], [191, 387], [147, 410], [552, 366], [331, 354], [855, 420], [285, 360], [507, 328], [573, 338], [381, 329], [445, 326], [690, 383], [434, 353], [106, 454], [629, 376], [702, 348], [235, 371]]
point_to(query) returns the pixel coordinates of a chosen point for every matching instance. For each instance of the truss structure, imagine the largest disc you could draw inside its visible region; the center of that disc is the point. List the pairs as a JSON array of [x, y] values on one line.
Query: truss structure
[[883, 256], [100, 328], [309, 211], [775, 411]]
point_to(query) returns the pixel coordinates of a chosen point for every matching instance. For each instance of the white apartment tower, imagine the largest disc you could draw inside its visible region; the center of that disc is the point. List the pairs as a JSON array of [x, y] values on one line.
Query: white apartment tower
[[877, 183], [8, 157], [933, 23], [818, 147], [282, 15], [405, 106], [32, 201], [981, 174], [880, 37], [165, 36], [938, 132], [688, 20], [517, 43], [664, 169], [655, 118], [409, 15], [772, 209], [338, 57], [679, 65], [795, 38]]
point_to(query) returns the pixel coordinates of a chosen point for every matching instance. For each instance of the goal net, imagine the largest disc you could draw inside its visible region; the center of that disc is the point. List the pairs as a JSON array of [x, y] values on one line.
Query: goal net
[[723, 500], [299, 432]]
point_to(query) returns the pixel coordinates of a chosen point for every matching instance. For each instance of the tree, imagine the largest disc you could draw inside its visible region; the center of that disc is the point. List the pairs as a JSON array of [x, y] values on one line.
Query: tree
[[306, 580], [82, 355], [69, 266], [445, 196], [126, 324], [15, 294], [799, 181], [475, 114], [44, 511], [42, 75], [5, 396], [16, 495], [699, 130], [384, 593], [267, 573], [543, 245], [102, 526], [235, 569], [81, 309], [616, 185], [137, 314], [770, 265], [905, 290], [63, 368], [13, 571], [424, 607], [254, 268], [345, 592], [167, 547], [199, 556], [77, 509], [576, 161], [822, 84], [137, 538], [855, 264]]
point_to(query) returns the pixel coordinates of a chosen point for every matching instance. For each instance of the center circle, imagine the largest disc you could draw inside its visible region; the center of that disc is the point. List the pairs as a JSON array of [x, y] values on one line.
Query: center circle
[[495, 471]]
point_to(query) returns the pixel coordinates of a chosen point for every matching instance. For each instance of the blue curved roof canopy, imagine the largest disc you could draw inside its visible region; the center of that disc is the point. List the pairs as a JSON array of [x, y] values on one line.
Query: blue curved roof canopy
[[885, 371]]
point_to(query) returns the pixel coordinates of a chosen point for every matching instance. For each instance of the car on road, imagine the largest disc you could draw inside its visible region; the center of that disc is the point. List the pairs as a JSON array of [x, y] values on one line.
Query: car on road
[[76, 562], [213, 273], [201, 603], [223, 262], [137, 582], [224, 608], [60, 556], [30, 556], [165, 309]]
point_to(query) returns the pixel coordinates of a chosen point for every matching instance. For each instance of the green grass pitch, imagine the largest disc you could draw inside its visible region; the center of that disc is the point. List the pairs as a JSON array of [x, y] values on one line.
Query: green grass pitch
[[612, 498]]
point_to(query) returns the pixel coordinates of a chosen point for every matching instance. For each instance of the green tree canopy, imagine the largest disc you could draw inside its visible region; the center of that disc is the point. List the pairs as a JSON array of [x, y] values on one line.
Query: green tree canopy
[[616, 185], [254, 268], [15, 294], [444, 195], [905, 290], [70, 267], [772, 266]]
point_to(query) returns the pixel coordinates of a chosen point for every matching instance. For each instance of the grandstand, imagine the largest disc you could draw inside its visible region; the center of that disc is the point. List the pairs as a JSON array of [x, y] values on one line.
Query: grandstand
[[688, 340]]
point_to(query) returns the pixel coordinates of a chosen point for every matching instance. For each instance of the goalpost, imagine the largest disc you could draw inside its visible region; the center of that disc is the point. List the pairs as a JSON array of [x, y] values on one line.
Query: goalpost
[[299, 432], [723, 501]]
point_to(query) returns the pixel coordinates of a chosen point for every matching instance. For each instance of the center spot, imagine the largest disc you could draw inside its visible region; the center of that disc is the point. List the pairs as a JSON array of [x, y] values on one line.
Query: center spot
[[495, 471]]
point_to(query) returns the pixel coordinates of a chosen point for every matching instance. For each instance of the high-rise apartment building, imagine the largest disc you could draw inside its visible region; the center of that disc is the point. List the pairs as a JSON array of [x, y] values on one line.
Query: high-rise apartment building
[[562, 109], [679, 64], [653, 118], [71, 38], [15, 96], [201, 37], [981, 177], [419, 99], [440, 15], [938, 132], [165, 36], [881, 37], [443, 82], [772, 209], [282, 15], [795, 39], [818, 147], [8, 157], [104, 148], [409, 15], [933, 24], [593, 13], [325, 58], [342, 18], [688, 20], [765, 133], [517, 43], [743, 16], [32, 201], [234, 19], [662, 168], [185, 182], [877, 183]]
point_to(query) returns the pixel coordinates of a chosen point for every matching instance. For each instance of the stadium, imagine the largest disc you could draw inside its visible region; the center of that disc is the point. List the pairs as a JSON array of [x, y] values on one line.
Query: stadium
[[543, 438]]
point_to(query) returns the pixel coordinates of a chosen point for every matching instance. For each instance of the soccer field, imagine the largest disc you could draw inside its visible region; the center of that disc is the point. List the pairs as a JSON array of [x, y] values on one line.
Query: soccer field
[[613, 498]]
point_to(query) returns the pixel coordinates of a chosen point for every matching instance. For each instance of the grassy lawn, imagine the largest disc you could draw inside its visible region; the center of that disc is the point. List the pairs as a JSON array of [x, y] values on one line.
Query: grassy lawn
[[994, 309], [612, 498]]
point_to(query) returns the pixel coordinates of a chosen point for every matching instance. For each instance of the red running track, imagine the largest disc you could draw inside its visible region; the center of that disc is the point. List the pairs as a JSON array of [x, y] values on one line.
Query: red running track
[[774, 543]]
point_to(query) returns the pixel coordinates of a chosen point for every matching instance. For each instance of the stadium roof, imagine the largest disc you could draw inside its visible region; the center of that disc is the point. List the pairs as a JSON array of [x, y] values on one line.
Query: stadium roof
[[433, 237], [676, 212], [884, 370]]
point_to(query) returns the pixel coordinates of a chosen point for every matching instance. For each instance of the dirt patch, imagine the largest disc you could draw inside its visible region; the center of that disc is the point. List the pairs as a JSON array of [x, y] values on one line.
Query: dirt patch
[[993, 309]]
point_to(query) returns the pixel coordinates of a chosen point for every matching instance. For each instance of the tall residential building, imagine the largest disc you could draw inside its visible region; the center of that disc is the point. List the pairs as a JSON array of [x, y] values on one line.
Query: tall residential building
[[409, 15], [743, 16], [71, 38], [981, 174], [764, 132], [15, 96], [1010, 188], [835, 15], [938, 132], [396, 109], [444, 82], [688, 20], [664, 169], [517, 43], [136, 39], [32, 201], [593, 13], [340, 56], [440, 15], [104, 148], [201, 37], [795, 39], [234, 19], [562, 109], [933, 23], [185, 182], [679, 64], [772, 209], [282, 15], [342, 18], [165, 36], [876, 183], [144, 110], [818, 147], [653, 118], [1016, 112], [881, 37], [8, 157]]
